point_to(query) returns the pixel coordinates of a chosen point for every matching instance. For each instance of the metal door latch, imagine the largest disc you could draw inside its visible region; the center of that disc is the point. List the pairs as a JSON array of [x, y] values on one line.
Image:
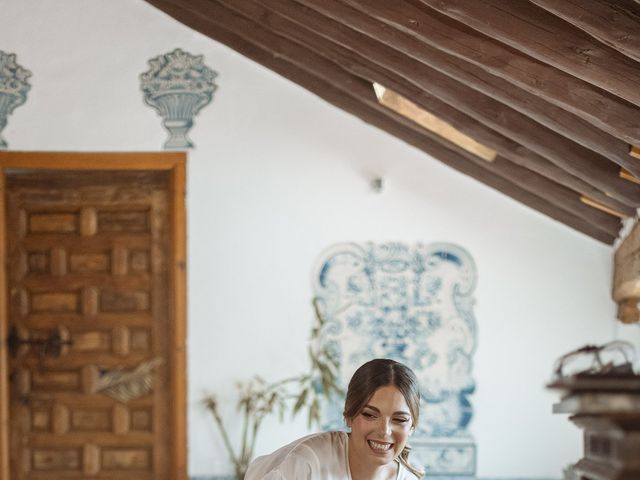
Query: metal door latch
[[52, 345]]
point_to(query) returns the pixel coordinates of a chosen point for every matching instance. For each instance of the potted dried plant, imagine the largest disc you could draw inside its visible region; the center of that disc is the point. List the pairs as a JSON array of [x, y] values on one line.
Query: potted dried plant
[[258, 399]]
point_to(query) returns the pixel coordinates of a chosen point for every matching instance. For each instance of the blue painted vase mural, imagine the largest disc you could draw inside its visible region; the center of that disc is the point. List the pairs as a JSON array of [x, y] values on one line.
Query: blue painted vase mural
[[178, 85], [412, 303], [13, 89]]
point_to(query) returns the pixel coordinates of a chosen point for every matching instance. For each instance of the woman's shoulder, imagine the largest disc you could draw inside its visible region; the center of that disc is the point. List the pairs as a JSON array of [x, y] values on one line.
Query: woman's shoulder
[[324, 438], [316, 442], [305, 455], [319, 447]]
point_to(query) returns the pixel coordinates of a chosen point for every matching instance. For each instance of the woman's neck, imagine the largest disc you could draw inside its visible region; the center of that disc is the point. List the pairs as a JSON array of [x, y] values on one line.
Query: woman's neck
[[363, 470]]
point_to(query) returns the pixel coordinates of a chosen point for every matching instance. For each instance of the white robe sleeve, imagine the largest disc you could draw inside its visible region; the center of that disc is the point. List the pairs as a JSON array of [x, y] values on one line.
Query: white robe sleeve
[[320, 456], [292, 467]]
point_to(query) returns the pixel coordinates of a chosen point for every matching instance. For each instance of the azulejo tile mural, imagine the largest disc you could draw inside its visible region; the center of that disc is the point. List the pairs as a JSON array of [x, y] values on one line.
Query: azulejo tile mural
[[412, 303]]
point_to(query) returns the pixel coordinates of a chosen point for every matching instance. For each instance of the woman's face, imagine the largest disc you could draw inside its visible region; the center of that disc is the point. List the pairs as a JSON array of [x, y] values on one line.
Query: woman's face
[[381, 430]]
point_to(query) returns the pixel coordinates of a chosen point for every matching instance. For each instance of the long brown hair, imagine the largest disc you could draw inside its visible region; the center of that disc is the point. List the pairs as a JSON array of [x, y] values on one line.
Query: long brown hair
[[383, 372]]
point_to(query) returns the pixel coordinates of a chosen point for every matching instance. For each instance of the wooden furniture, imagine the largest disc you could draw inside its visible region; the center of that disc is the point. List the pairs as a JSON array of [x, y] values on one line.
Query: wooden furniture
[[626, 277], [608, 410]]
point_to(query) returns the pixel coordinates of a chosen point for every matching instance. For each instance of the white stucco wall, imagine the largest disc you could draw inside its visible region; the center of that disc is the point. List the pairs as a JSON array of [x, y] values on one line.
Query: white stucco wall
[[277, 176]]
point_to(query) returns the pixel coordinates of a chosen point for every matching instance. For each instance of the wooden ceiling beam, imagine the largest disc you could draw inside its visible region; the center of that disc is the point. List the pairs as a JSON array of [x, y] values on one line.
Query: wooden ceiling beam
[[534, 107], [512, 151], [615, 23], [356, 96], [549, 39], [276, 21], [571, 157], [602, 109]]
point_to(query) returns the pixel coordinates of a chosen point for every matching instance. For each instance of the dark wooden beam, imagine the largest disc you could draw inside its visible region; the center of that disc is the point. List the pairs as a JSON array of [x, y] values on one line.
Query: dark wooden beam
[[279, 22], [282, 22], [508, 149], [602, 109], [543, 112], [250, 39], [549, 39], [571, 157], [613, 22]]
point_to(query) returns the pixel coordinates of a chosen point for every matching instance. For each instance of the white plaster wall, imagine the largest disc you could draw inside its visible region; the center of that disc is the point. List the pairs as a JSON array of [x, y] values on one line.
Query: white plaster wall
[[276, 177]]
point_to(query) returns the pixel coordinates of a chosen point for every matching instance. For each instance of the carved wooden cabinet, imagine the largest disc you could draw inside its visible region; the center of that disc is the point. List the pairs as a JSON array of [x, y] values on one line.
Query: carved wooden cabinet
[[609, 415], [626, 277]]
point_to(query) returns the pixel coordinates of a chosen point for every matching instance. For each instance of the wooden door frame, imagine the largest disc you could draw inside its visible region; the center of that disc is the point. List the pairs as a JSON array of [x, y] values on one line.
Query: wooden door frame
[[175, 164]]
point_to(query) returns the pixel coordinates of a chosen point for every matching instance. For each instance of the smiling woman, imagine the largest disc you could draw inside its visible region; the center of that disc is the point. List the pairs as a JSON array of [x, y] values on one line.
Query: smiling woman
[[381, 409]]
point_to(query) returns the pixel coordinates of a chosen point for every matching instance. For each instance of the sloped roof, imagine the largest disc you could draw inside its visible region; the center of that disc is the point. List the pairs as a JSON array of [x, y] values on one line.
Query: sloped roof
[[553, 86]]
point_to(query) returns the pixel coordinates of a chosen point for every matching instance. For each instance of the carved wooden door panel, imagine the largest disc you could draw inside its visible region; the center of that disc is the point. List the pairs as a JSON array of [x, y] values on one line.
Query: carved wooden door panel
[[89, 325]]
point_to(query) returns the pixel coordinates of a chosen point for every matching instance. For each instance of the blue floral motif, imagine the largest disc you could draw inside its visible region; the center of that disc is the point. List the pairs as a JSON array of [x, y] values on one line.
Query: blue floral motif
[[412, 304], [354, 321]]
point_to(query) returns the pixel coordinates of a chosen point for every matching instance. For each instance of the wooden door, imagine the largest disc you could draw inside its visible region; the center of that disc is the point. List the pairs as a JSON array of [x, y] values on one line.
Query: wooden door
[[95, 358]]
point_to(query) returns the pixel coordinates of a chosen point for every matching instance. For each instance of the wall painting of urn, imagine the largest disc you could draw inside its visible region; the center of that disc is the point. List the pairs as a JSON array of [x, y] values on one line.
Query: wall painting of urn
[[13, 89], [178, 85]]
